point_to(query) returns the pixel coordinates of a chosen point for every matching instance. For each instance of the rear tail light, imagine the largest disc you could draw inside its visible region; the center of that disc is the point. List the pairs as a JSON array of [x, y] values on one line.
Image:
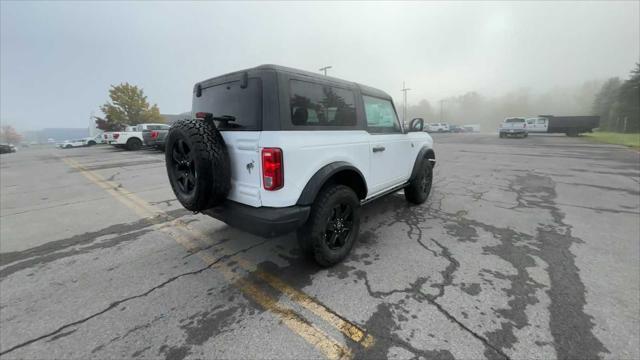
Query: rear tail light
[[116, 135], [272, 169], [525, 125], [154, 135], [203, 115]]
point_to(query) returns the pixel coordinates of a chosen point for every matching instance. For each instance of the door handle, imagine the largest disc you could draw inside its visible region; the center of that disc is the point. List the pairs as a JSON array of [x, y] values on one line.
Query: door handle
[[378, 148]]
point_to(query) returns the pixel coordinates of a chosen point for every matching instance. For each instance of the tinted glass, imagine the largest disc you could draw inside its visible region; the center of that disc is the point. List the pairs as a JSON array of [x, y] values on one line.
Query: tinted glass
[[158, 127], [319, 105], [513, 120], [231, 100], [381, 116]]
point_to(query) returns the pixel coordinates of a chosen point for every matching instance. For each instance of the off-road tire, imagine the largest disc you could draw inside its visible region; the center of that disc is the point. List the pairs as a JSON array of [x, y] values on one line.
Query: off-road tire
[[134, 144], [312, 235], [417, 192], [208, 157]]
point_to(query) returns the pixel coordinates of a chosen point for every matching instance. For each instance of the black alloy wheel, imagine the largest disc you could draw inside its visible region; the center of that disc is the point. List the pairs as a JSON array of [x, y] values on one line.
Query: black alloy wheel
[[339, 226], [183, 164]]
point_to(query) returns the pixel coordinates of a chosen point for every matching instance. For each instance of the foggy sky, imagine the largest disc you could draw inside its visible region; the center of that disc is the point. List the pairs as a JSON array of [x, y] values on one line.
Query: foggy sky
[[57, 60]]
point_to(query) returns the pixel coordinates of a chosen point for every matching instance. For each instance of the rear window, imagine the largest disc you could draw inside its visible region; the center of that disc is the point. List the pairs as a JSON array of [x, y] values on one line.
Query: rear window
[[229, 99], [158, 127], [514, 120], [321, 105]]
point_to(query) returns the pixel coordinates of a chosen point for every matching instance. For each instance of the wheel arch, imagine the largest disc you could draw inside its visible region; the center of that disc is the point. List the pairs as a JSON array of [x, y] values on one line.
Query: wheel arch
[[424, 153], [339, 172]]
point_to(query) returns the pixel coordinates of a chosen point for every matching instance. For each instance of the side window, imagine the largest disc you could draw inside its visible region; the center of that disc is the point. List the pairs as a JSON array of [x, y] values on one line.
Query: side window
[[319, 105], [381, 116], [530, 121], [541, 121]]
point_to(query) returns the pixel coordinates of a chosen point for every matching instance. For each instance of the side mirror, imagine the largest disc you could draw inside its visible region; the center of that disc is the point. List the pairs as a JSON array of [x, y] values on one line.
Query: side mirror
[[416, 125]]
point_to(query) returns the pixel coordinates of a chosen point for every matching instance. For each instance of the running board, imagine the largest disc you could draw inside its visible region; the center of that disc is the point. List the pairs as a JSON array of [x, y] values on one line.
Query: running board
[[392, 190]]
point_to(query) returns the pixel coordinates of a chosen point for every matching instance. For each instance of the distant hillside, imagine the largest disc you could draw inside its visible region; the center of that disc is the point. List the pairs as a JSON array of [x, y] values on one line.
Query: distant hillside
[[57, 134]]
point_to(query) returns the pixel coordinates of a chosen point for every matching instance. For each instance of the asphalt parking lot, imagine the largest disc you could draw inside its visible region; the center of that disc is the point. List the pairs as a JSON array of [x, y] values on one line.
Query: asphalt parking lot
[[526, 248]]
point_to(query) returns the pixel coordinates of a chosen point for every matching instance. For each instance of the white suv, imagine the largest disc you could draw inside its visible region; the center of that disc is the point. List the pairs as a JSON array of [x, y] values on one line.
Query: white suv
[[273, 149]]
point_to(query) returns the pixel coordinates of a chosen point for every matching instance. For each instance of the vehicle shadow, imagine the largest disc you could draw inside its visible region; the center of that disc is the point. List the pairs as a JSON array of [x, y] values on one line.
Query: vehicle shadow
[[282, 257]]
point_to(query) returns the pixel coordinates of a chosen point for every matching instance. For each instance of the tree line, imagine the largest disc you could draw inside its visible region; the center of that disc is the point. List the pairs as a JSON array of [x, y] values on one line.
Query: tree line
[[613, 100], [618, 103]]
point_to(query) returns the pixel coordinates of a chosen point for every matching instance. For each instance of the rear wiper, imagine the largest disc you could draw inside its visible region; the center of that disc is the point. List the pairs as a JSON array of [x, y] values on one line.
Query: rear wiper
[[224, 118], [225, 121]]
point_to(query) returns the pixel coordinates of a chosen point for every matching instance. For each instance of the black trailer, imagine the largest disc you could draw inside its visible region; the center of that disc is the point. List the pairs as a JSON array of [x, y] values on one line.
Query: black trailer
[[571, 125]]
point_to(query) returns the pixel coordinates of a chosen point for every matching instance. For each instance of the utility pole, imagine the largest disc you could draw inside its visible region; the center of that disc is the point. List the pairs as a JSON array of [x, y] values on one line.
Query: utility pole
[[92, 124], [404, 105], [324, 69]]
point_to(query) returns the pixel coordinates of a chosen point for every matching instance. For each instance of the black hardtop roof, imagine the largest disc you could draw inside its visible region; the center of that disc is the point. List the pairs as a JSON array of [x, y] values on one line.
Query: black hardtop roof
[[311, 75]]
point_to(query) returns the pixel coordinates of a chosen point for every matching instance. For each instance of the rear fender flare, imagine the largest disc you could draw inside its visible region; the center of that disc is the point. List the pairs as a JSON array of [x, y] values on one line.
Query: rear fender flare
[[320, 178]]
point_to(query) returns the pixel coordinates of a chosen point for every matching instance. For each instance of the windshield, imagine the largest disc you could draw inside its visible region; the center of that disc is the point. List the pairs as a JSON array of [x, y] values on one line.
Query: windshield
[[514, 120], [231, 100]]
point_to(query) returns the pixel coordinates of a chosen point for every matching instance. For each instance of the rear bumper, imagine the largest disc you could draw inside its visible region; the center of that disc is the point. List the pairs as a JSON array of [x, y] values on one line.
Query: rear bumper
[[261, 221], [513, 131], [156, 143]]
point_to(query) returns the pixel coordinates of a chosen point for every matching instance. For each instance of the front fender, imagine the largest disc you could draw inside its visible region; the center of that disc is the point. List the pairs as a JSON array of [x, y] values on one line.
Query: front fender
[[425, 152]]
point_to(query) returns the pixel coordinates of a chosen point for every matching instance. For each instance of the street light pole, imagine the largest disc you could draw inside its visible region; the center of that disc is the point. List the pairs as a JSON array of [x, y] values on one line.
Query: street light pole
[[404, 105], [324, 69]]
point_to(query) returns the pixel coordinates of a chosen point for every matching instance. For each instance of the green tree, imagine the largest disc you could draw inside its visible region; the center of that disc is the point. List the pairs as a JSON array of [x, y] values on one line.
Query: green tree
[[603, 104], [128, 106], [629, 103]]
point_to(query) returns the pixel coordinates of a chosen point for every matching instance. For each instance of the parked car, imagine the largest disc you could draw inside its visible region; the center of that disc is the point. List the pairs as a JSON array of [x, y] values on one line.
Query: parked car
[[456, 129], [68, 144], [7, 148], [471, 128], [94, 140], [131, 138], [569, 125], [515, 126], [155, 135], [438, 127], [239, 161]]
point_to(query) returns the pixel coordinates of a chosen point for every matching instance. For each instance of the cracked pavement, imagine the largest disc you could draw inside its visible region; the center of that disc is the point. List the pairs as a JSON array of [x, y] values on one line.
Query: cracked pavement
[[526, 248]]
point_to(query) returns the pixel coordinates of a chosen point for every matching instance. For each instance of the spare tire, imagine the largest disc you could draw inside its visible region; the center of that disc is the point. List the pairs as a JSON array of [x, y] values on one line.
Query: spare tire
[[198, 164]]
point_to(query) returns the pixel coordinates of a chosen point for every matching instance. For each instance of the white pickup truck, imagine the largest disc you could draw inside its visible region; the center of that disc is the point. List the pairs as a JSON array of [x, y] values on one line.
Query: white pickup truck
[[513, 127], [438, 127], [131, 138]]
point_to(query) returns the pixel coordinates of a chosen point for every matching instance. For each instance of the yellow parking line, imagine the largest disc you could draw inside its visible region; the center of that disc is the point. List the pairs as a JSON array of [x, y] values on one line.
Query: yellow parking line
[[352, 331], [314, 336]]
